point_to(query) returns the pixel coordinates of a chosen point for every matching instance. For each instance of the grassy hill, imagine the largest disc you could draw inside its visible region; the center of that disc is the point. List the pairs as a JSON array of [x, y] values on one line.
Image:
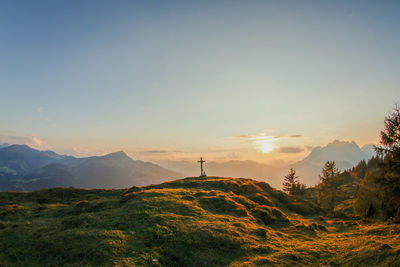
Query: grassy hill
[[190, 222]]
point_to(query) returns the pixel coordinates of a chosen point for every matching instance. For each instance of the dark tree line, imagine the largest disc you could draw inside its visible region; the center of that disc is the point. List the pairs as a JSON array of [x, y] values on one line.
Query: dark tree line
[[373, 186], [379, 192]]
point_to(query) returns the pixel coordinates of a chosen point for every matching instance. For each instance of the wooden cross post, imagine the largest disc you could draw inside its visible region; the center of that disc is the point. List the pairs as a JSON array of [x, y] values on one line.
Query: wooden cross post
[[201, 161]]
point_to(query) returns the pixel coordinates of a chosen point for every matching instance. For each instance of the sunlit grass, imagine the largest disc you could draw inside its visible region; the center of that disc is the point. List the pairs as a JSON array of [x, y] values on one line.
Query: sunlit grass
[[191, 222]]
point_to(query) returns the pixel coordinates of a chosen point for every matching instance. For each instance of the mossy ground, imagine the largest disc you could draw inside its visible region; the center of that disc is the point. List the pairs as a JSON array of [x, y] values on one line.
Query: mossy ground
[[190, 222]]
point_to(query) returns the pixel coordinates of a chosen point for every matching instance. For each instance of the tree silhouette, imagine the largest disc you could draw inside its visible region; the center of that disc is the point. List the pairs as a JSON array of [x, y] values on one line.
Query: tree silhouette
[[328, 185], [390, 137], [389, 150], [290, 183]]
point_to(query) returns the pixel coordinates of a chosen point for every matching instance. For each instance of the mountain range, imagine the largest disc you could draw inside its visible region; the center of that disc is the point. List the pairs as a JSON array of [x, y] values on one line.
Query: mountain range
[[24, 168], [345, 154]]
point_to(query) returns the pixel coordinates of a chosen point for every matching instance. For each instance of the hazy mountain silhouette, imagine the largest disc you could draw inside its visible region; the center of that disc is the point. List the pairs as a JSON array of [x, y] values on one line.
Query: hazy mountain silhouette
[[52, 175], [25, 168], [117, 170], [369, 150], [23, 159], [337, 151], [345, 154], [4, 145], [232, 168]]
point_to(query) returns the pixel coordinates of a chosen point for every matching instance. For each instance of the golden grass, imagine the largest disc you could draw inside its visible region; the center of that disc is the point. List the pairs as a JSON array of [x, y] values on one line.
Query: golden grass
[[190, 222]]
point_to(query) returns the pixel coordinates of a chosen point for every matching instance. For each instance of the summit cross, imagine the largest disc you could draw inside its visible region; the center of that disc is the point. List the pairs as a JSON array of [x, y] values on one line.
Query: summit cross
[[201, 161]]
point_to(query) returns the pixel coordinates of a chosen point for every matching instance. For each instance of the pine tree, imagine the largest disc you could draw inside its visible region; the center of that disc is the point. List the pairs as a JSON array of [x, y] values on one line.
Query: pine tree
[[369, 194], [328, 185], [389, 151], [390, 137], [368, 202], [290, 182]]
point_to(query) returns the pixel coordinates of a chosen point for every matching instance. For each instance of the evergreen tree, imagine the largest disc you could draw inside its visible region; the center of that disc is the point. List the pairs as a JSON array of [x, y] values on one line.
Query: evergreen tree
[[299, 189], [328, 185], [369, 195], [368, 203], [290, 183], [390, 137], [389, 150]]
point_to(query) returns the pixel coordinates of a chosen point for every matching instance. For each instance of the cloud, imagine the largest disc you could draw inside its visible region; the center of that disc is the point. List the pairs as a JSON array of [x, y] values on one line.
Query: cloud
[[260, 137], [250, 138], [30, 140], [244, 136], [288, 136], [290, 149], [157, 151], [295, 136], [36, 141]]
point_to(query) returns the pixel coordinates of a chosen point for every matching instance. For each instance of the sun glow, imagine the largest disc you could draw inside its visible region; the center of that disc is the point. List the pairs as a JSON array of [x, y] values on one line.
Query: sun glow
[[266, 147]]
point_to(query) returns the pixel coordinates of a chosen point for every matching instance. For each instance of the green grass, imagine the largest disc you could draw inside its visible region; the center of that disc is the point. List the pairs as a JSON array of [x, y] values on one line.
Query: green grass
[[190, 222]]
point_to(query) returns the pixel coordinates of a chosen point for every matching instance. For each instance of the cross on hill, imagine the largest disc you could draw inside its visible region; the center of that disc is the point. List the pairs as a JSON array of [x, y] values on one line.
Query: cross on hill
[[201, 161]]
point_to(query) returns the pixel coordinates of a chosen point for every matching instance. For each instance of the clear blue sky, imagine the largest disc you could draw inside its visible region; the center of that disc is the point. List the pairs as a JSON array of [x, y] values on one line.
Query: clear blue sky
[[180, 75]]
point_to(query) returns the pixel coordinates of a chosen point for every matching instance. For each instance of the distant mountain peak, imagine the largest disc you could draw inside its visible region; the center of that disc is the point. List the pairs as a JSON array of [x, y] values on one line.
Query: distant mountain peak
[[118, 154], [338, 151], [18, 148], [25, 149], [339, 144], [346, 154]]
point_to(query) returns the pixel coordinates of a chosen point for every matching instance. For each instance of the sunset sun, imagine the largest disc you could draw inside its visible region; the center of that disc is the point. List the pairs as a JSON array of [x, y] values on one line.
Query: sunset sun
[[266, 147]]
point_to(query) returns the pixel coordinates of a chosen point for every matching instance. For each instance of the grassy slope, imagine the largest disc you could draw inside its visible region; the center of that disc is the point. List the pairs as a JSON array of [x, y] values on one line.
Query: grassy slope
[[190, 222]]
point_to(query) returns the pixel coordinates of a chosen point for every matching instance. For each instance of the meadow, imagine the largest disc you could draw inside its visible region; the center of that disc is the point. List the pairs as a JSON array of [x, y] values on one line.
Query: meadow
[[209, 221]]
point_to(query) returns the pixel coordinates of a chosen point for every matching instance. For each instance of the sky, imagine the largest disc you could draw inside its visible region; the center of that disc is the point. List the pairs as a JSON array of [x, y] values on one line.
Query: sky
[[259, 80]]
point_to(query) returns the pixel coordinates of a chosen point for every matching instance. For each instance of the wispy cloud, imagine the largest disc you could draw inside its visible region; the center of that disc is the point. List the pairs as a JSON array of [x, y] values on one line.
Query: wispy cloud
[[290, 149], [244, 136], [157, 151], [295, 136], [260, 137]]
